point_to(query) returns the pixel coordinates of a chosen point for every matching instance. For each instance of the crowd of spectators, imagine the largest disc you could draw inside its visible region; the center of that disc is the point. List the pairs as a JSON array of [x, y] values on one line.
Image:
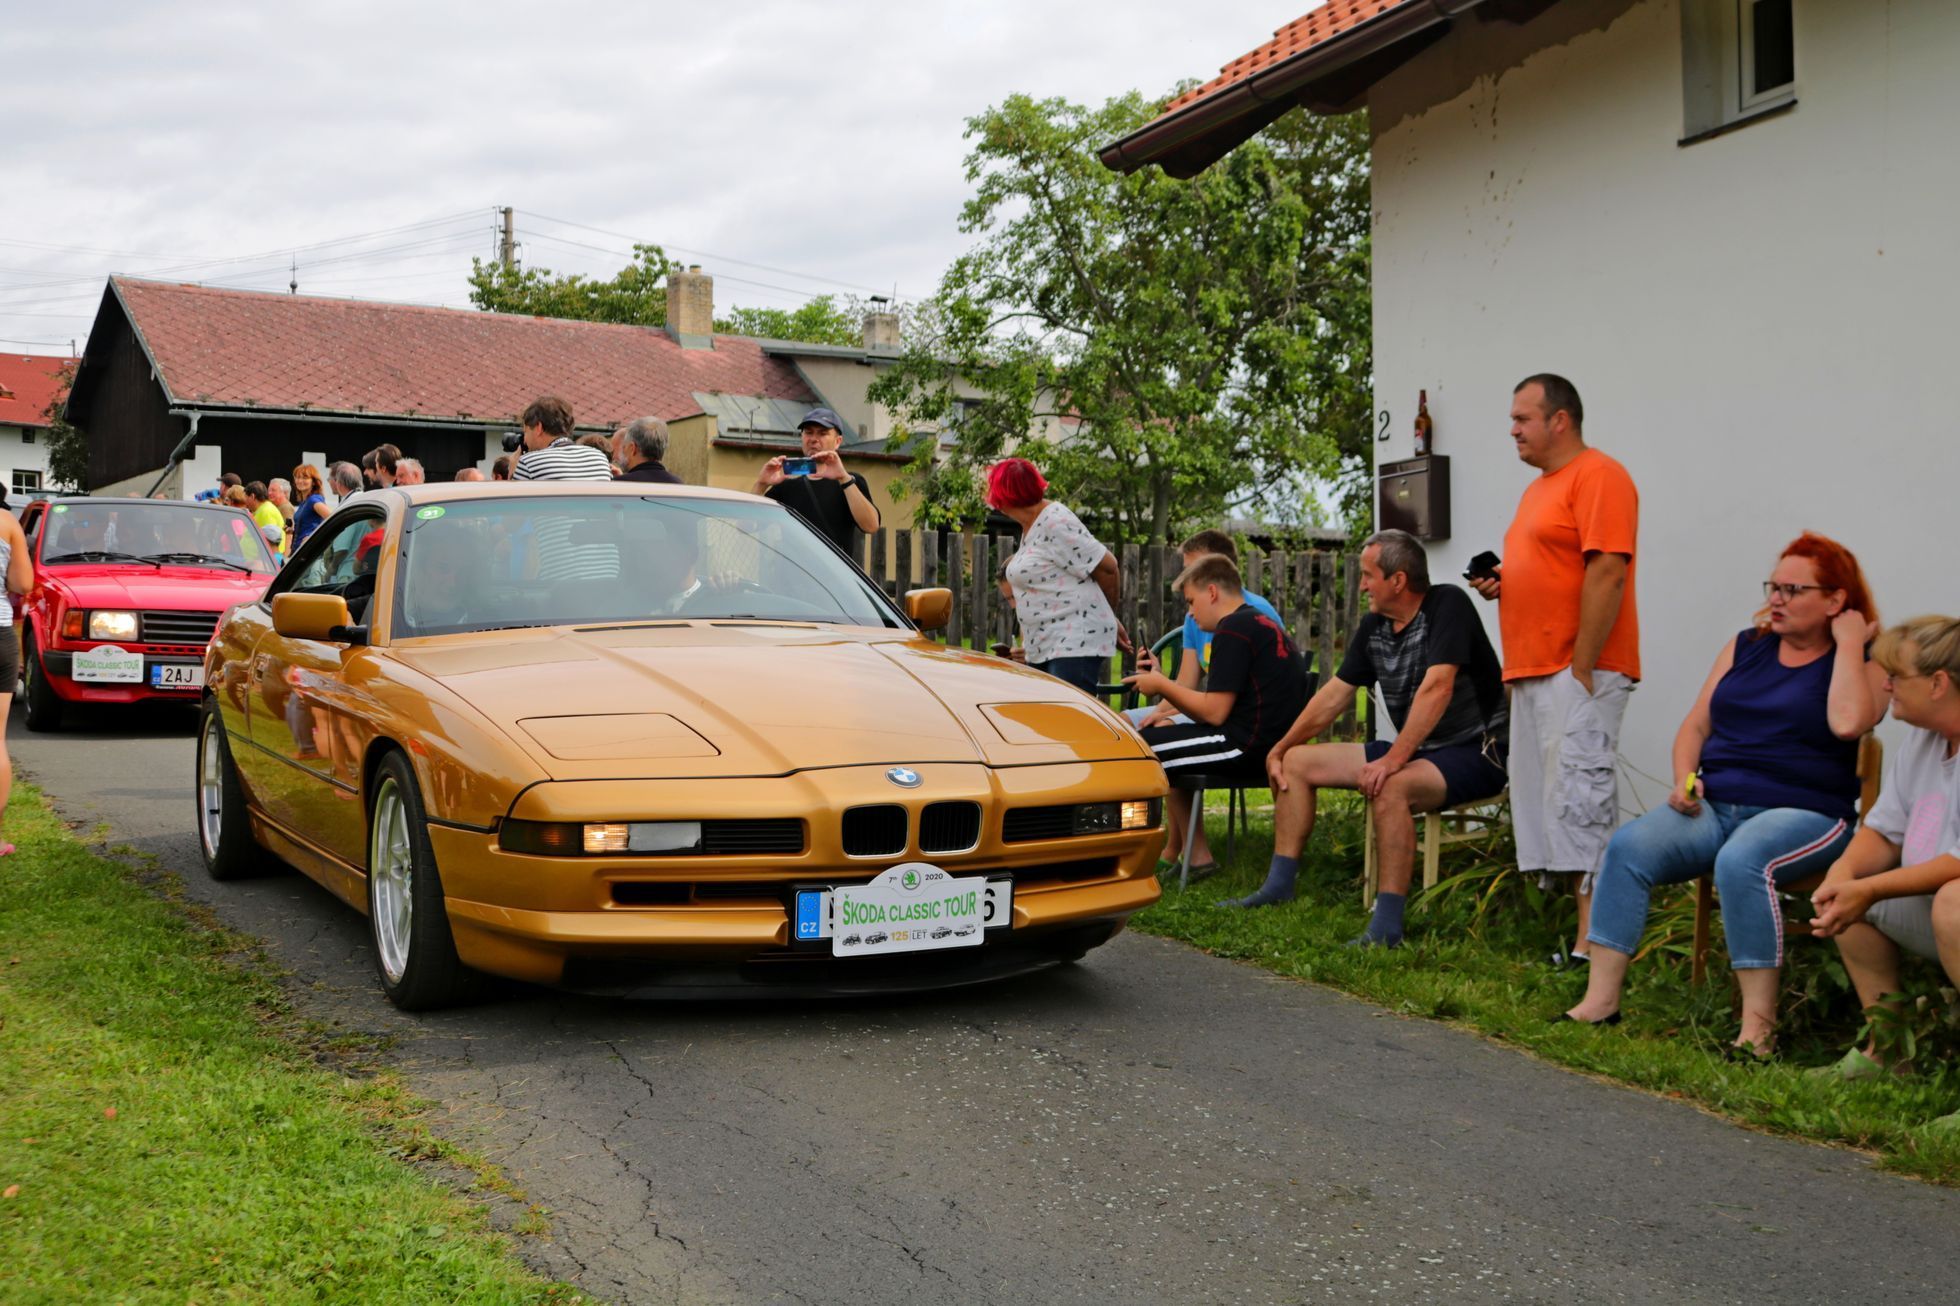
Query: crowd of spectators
[[817, 486], [1766, 763]]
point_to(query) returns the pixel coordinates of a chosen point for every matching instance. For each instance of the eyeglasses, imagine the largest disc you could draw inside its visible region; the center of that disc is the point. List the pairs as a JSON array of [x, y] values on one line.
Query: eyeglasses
[[1771, 589]]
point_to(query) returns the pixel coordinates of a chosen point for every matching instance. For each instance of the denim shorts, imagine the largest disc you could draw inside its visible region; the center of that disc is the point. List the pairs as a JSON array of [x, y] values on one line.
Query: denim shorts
[[1470, 771]]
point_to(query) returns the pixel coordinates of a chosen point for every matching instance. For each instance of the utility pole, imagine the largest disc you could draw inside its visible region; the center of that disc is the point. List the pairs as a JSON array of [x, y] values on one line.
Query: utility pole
[[507, 252]]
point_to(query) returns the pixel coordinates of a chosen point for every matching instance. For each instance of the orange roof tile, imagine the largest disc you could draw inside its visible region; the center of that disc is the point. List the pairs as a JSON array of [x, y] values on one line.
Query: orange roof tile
[[28, 384], [267, 350], [1303, 33]]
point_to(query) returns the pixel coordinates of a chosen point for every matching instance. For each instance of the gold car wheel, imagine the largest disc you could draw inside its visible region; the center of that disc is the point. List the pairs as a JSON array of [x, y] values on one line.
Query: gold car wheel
[[391, 864], [224, 830]]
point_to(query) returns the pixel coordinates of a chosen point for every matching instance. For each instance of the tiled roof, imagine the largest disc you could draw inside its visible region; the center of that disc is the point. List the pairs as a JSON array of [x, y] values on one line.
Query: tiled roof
[[237, 348], [1303, 33], [27, 385]]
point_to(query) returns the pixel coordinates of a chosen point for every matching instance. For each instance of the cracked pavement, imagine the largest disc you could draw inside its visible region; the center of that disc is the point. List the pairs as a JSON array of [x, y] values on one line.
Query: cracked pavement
[[1152, 1124]]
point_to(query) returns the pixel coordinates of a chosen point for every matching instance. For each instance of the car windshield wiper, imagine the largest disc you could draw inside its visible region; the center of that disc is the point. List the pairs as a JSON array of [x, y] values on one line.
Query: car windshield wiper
[[95, 555], [161, 558]]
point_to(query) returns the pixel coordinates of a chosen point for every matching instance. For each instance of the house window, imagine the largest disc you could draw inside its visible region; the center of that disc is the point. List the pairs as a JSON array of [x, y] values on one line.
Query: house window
[[1768, 63], [27, 435], [26, 480], [1738, 63]]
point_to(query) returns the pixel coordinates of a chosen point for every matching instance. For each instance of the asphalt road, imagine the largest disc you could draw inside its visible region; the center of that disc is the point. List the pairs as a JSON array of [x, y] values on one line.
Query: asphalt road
[[1151, 1125]]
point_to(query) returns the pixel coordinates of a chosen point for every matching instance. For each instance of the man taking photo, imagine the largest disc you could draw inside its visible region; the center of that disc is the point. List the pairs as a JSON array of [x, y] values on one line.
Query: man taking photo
[[835, 501]]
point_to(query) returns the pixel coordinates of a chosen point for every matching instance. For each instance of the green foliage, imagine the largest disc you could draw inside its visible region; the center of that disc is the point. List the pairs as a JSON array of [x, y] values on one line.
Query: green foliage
[[1477, 951], [67, 444], [637, 295], [1191, 349], [820, 321]]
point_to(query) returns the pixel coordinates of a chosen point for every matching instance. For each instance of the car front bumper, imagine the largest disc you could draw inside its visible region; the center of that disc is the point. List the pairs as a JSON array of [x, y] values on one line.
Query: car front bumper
[[58, 665], [728, 923]]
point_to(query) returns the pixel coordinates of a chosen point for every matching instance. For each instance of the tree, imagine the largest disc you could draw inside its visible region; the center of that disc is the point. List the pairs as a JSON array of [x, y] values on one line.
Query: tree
[[637, 295], [1192, 348], [820, 321], [67, 444]]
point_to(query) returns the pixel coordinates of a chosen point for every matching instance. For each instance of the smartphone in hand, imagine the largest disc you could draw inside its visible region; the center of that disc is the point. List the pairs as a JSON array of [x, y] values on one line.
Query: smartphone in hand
[[799, 466], [1483, 567]]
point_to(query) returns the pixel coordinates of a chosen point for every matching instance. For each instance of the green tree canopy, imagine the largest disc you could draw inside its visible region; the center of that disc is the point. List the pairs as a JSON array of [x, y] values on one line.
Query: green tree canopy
[[67, 444], [1200, 348], [637, 296]]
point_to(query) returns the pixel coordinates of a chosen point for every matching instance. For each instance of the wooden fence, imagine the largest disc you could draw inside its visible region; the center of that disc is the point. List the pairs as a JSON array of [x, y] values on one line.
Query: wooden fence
[[1317, 593]]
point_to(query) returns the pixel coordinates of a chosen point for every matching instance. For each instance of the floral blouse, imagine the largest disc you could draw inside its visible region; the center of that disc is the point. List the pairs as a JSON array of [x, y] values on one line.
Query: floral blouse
[[1062, 611]]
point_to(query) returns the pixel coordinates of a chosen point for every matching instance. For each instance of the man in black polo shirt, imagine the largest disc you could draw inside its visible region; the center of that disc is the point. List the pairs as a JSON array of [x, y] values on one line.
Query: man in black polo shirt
[[1253, 688], [1443, 686], [637, 449], [835, 501]]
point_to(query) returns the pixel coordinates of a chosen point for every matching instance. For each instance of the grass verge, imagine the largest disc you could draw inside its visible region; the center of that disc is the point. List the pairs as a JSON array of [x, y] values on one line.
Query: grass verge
[[1476, 956], [169, 1130]]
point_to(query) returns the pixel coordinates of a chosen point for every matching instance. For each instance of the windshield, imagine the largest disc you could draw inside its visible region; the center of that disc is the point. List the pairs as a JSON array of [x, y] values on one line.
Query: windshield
[[156, 532], [501, 563]]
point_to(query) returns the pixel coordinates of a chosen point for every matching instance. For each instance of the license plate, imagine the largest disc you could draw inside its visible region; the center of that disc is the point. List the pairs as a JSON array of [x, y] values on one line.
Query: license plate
[[893, 913], [107, 664], [177, 675]]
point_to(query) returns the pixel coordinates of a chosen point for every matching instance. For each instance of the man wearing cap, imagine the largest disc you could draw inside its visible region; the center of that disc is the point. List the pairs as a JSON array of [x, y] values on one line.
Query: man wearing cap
[[835, 501]]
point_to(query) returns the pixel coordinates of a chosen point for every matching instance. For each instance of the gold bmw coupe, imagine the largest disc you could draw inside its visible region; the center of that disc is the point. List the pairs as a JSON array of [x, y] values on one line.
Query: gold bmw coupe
[[662, 740]]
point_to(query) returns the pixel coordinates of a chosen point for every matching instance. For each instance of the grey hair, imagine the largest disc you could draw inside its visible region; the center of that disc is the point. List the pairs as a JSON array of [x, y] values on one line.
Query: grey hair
[[412, 463], [280, 483], [346, 477], [1403, 552], [648, 435]]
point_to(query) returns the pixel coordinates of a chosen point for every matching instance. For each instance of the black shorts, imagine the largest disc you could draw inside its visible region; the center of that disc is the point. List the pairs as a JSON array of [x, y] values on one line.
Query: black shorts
[[1191, 747], [1469, 771], [9, 658]]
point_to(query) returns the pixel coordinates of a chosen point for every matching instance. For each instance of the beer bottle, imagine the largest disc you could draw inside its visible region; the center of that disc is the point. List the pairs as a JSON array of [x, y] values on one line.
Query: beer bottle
[[1424, 427]]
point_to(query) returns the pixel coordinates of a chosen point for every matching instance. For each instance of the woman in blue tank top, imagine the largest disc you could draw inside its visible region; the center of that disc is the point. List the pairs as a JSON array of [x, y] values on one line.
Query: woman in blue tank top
[[1765, 782]]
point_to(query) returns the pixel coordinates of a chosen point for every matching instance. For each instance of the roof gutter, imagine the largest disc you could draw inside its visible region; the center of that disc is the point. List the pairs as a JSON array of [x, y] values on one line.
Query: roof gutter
[[1278, 85]]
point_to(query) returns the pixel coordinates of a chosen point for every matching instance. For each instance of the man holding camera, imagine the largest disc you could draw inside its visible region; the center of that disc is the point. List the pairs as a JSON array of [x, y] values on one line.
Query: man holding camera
[[550, 453], [816, 487]]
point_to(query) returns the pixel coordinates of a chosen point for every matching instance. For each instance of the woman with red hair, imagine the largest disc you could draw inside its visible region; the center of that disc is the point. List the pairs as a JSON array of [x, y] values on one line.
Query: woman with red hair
[[1765, 782], [1066, 584]]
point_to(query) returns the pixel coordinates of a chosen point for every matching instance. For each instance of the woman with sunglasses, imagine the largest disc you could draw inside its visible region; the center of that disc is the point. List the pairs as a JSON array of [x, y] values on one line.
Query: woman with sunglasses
[[1765, 783]]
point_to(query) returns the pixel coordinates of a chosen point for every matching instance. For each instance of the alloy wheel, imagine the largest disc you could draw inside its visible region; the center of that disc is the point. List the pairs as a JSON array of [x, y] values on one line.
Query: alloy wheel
[[391, 871]]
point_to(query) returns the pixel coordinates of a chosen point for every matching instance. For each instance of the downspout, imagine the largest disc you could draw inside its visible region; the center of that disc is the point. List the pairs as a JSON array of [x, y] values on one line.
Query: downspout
[[181, 452]]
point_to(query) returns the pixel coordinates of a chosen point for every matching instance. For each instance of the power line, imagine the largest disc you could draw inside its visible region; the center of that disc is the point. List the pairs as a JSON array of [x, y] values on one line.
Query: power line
[[803, 295], [282, 252], [706, 254]]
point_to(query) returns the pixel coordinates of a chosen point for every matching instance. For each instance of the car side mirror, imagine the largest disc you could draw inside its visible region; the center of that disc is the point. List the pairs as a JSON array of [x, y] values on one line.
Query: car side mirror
[[929, 609], [313, 616]]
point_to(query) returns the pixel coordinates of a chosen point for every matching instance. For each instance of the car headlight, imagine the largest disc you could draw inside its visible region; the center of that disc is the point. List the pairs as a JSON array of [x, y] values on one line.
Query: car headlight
[[1143, 814], [1104, 818], [571, 839], [112, 625]]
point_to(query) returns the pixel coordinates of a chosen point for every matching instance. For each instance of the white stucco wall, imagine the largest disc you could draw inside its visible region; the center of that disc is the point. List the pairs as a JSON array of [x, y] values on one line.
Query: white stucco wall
[[1760, 323], [19, 453]]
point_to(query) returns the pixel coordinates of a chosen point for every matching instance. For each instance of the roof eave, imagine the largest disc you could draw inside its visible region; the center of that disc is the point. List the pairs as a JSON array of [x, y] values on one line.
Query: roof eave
[[1195, 137]]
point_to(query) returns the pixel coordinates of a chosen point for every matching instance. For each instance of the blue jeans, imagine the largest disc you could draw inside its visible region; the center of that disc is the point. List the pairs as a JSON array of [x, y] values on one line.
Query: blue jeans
[[1754, 851], [1085, 673]]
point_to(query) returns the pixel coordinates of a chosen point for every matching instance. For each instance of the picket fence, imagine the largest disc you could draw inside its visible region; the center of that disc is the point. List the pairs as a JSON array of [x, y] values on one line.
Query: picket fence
[[1317, 592]]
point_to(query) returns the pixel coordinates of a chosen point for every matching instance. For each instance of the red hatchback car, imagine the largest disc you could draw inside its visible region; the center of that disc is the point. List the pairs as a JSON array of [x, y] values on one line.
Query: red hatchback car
[[126, 595]]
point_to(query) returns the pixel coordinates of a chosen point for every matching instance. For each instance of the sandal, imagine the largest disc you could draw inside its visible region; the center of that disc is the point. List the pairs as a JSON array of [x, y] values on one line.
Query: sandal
[[1748, 1054], [1851, 1068]]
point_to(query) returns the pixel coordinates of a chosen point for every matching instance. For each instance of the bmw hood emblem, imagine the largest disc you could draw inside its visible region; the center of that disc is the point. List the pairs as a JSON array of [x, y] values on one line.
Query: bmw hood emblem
[[903, 776]]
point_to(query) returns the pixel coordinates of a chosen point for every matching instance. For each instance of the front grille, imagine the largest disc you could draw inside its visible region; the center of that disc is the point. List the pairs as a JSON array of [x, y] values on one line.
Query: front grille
[[751, 837], [178, 627], [874, 831], [949, 827], [1026, 824]]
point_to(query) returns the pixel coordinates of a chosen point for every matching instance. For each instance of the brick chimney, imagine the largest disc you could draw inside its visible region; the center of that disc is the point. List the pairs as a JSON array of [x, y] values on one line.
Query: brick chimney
[[691, 307], [881, 327]]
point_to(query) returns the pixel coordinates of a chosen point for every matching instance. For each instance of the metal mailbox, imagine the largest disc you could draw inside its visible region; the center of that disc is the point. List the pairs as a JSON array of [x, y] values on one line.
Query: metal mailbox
[[1415, 497]]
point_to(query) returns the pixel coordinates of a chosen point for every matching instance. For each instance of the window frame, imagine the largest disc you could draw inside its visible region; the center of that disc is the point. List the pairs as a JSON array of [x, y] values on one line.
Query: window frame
[[14, 485], [1748, 101]]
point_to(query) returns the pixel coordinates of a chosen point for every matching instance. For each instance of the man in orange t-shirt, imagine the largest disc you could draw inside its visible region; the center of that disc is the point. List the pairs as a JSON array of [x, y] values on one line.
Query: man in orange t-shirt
[[1571, 637]]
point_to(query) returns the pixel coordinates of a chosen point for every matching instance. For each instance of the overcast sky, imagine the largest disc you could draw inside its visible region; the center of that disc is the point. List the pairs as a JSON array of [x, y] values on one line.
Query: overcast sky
[[818, 142]]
